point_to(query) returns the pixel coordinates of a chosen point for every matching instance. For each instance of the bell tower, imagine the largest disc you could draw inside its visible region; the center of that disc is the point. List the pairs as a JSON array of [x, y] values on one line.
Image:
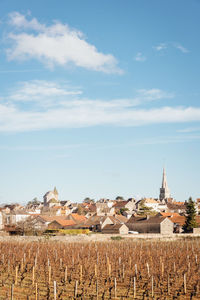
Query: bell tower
[[164, 190]]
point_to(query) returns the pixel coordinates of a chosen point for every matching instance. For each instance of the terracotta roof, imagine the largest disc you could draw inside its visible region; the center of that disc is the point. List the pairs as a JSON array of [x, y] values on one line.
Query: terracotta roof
[[178, 203], [51, 218], [150, 200], [180, 220], [169, 214], [65, 223], [78, 217]]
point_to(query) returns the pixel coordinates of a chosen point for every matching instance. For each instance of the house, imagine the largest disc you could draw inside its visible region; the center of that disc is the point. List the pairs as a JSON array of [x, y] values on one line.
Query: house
[[97, 223], [177, 220], [1, 221], [178, 207], [115, 229], [41, 222], [61, 224], [150, 203], [103, 209], [78, 219], [15, 217], [157, 224], [128, 205]]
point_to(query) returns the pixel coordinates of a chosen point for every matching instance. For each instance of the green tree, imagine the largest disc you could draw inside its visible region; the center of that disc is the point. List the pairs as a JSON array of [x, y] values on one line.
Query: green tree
[[119, 198], [190, 222], [88, 200], [145, 210], [122, 210]]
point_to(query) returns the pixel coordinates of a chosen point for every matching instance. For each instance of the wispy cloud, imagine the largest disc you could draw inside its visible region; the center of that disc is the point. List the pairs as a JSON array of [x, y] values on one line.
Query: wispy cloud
[[19, 71], [163, 46], [160, 47], [46, 92], [58, 106], [154, 94], [57, 44], [40, 148], [140, 57], [189, 130], [181, 48]]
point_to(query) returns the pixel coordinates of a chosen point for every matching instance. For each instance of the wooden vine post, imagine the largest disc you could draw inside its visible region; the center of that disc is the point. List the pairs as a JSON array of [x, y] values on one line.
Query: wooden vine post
[[33, 275], [97, 290], [49, 274], [152, 291], [184, 283], [16, 274], [81, 271], [54, 289], [134, 287], [115, 286], [65, 274], [12, 289], [95, 270], [76, 288], [36, 291]]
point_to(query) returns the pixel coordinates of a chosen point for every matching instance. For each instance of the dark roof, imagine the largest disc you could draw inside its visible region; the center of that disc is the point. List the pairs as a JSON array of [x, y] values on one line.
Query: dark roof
[[120, 204], [150, 220], [95, 220], [118, 219], [112, 226], [181, 205]]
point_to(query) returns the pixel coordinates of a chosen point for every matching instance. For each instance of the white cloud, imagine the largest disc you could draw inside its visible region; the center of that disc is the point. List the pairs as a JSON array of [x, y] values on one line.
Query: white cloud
[[140, 57], [153, 94], [181, 48], [41, 105], [189, 130], [160, 47], [92, 114], [41, 90], [57, 44]]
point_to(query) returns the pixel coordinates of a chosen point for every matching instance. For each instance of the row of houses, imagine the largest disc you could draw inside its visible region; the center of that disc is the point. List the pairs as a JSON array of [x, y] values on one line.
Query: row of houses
[[115, 216], [162, 223]]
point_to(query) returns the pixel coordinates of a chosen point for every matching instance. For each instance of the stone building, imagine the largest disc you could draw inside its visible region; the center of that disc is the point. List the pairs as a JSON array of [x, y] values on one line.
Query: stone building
[[157, 224], [51, 197], [115, 229]]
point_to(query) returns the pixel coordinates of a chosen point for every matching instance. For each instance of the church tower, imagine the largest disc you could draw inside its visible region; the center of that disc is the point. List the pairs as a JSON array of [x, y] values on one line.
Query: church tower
[[164, 190]]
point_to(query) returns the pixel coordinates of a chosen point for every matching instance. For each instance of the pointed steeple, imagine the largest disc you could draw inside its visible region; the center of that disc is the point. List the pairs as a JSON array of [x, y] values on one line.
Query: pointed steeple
[[164, 190], [164, 180], [55, 191]]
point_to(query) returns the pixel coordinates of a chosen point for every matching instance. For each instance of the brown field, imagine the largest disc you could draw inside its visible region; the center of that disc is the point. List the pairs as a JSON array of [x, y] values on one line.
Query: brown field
[[118, 269]]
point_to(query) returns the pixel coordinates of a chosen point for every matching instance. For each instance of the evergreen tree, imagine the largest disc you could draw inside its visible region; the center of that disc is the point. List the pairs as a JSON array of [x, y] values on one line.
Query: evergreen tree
[[190, 222]]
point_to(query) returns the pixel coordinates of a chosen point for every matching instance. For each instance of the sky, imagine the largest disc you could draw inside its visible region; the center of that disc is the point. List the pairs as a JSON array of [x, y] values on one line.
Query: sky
[[96, 97]]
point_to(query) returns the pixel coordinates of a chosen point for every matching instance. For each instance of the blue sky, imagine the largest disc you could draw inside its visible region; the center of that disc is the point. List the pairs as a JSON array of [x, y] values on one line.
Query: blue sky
[[96, 96]]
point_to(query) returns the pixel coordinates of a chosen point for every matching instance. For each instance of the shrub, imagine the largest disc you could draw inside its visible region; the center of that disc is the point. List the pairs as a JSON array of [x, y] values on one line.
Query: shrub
[[117, 238]]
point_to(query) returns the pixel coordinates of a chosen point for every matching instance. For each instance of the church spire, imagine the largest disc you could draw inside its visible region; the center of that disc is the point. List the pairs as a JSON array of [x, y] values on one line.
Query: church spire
[[164, 190], [164, 180]]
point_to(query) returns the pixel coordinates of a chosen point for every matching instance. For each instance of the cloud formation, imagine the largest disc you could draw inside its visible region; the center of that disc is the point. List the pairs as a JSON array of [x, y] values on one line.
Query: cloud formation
[[41, 91], [57, 44], [140, 57], [67, 108], [163, 46]]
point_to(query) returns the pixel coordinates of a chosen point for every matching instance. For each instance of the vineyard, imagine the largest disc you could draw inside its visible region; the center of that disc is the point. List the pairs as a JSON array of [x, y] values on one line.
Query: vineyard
[[101, 270]]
